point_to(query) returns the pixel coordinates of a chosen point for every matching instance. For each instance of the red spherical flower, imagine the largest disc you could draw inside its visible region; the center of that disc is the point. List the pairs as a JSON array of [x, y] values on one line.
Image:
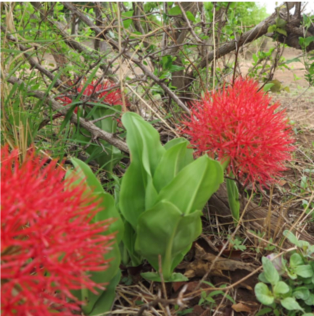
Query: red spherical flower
[[48, 241], [240, 124], [97, 93]]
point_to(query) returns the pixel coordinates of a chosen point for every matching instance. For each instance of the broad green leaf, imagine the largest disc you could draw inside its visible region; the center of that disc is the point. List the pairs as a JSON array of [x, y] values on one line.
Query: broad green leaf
[[174, 68], [106, 299], [291, 273], [281, 288], [263, 294], [271, 28], [270, 272], [193, 185], [175, 11], [108, 211], [290, 304], [166, 62], [305, 271], [132, 194], [262, 278], [308, 40], [280, 22], [103, 277], [310, 300], [143, 141], [84, 171], [129, 239], [154, 276], [107, 204], [174, 142], [304, 245], [301, 293], [164, 230], [295, 260], [172, 162], [151, 194], [293, 60], [190, 16], [264, 311], [146, 152], [311, 250], [128, 14], [281, 31], [233, 199], [291, 237], [268, 86]]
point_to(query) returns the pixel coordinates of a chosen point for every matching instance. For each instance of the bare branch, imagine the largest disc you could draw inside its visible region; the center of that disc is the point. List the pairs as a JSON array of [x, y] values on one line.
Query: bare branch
[[189, 24], [137, 61], [247, 37]]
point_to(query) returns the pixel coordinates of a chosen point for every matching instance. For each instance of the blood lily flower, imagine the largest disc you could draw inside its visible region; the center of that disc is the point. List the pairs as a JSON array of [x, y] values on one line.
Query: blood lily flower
[[98, 93], [238, 123], [48, 242]]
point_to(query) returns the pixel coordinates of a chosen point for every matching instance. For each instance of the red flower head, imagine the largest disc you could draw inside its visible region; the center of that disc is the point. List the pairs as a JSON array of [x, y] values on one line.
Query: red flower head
[[111, 97], [48, 241], [239, 123]]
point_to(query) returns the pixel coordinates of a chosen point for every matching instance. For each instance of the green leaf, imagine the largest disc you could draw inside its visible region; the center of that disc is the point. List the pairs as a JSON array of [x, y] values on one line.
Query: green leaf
[[128, 14], [295, 260], [264, 311], [304, 271], [270, 272], [165, 231], [281, 31], [107, 211], [308, 40], [107, 204], [293, 60], [175, 11], [101, 277], [194, 185], [291, 237], [263, 294], [106, 299], [281, 288], [154, 276], [172, 162], [310, 300], [271, 29], [280, 22], [166, 62], [127, 23], [268, 86], [290, 304], [146, 152], [129, 239], [190, 16], [174, 68], [233, 199], [301, 293], [262, 278]]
